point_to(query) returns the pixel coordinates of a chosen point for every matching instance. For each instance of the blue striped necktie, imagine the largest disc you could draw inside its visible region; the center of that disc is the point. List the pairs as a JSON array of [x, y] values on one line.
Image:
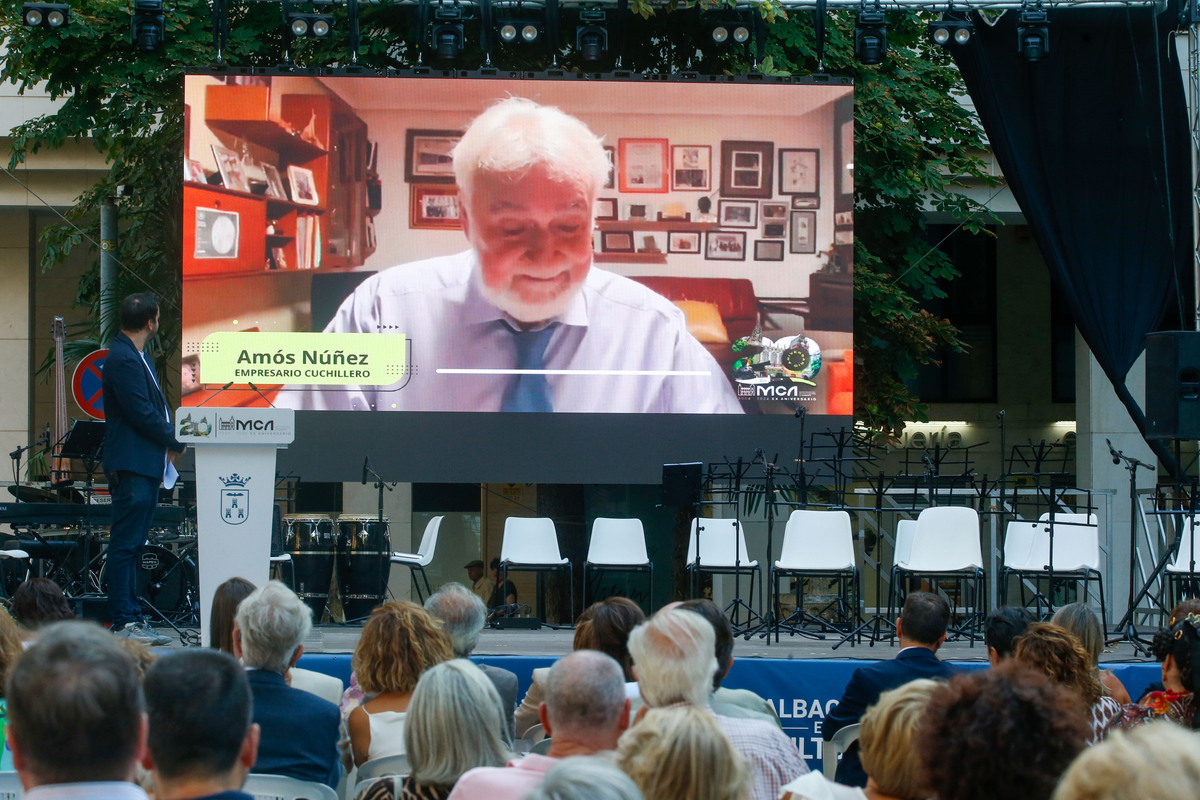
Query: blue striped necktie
[[529, 392]]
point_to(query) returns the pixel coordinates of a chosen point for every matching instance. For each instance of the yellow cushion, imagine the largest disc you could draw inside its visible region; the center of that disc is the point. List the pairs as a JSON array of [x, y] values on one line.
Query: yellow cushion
[[704, 321]]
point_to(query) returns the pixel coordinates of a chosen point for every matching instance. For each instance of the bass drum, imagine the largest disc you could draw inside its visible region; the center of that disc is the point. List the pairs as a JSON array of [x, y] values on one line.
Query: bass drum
[[161, 580], [364, 561]]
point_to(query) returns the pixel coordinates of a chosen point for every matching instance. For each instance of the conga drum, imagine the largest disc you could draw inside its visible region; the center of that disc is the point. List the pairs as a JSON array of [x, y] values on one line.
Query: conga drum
[[312, 543], [364, 553]]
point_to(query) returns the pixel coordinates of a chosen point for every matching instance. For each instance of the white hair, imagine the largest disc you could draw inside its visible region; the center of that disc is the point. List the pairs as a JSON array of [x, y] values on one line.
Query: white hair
[[515, 134], [1156, 761], [674, 656], [454, 723], [462, 614], [273, 622], [586, 778]]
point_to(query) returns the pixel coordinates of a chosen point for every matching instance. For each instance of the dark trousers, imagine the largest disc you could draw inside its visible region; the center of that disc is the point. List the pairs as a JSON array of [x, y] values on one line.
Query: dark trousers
[[134, 499]]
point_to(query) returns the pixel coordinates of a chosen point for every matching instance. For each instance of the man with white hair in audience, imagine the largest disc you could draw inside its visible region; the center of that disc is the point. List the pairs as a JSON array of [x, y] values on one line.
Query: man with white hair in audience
[[674, 659], [75, 716], [299, 729], [585, 712], [463, 615]]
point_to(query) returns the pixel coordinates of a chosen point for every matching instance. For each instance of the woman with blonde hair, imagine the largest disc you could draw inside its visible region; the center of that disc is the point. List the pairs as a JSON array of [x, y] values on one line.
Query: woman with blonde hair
[[1060, 656], [886, 743], [399, 642], [1158, 761], [681, 753], [1078, 619]]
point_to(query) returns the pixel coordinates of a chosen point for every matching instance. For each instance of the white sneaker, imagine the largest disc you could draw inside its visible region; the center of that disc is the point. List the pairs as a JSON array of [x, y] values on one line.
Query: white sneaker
[[139, 631]]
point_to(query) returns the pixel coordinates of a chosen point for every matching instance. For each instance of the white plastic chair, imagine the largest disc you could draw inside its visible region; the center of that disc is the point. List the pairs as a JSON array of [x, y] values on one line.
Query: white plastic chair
[[531, 545], [837, 746], [1076, 554], [393, 768], [418, 561], [818, 544], [945, 545], [278, 787], [10, 784], [722, 552], [906, 529], [1179, 571], [618, 545]]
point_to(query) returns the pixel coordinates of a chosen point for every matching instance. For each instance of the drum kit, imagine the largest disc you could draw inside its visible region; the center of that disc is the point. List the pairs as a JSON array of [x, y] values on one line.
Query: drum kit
[[354, 548]]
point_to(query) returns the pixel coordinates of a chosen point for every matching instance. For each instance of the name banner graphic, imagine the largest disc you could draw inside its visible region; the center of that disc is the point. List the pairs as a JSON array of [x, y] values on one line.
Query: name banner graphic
[[333, 359]]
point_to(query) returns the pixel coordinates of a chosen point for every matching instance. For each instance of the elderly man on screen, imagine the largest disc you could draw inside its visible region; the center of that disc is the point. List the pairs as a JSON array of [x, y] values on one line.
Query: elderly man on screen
[[522, 321]]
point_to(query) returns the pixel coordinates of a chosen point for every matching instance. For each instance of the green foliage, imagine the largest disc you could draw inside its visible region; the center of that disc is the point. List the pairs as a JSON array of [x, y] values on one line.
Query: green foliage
[[914, 142]]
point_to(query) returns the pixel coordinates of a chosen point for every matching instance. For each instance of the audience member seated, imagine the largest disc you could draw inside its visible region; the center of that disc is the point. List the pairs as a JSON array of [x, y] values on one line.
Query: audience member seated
[[586, 778], [463, 615], [220, 637], [1180, 611], [1059, 656], [603, 626], [451, 727], [681, 753], [1001, 628], [202, 742], [729, 702], [75, 716], [38, 602], [584, 713], [886, 742], [399, 641], [1178, 648], [299, 729], [1001, 734], [1158, 761], [1082, 622], [674, 660], [921, 629], [11, 648]]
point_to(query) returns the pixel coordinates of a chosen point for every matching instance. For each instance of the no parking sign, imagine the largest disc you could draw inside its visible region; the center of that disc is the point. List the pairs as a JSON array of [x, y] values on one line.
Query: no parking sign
[[85, 384]]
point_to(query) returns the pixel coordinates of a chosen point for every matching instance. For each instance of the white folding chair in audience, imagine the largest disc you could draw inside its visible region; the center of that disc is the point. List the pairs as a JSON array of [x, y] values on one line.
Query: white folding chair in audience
[[838, 745], [278, 787]]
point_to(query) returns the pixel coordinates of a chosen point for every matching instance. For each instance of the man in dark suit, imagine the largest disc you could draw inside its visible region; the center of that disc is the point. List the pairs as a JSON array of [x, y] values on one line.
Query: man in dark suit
[[299, 730], [140, 449], [921, 628], [463, 615]]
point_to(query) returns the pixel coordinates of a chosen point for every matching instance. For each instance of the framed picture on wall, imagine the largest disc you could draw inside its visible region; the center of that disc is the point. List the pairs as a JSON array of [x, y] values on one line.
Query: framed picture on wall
[[229, 164], [304, 188], [747, 169], [434, 207], [800, 172], [768, 250], [642, 165], [274, 182], [725, 246], [427, 156], [683, 242], [774, 220], [803, 237], [737, 213], [616, 241], [606, 209], [691, 167]]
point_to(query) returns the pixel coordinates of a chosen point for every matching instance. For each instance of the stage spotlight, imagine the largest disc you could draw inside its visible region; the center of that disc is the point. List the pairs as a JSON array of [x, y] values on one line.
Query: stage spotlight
[[45, 15], [724, 31], [517, 31], [946, 32], [147, 30], [305, 25], [448, 33], [591, 35], [1033, 34], [870, 37]]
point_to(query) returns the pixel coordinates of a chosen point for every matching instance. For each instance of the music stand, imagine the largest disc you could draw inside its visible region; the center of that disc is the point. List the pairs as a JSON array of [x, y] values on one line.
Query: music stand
[[85, 442]]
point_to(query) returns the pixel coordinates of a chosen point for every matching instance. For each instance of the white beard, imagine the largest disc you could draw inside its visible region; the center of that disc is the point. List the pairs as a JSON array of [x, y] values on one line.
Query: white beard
[[508, 301]]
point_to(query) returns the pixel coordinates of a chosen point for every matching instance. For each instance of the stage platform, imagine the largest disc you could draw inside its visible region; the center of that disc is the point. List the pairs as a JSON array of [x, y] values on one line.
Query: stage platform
[[802, 678]]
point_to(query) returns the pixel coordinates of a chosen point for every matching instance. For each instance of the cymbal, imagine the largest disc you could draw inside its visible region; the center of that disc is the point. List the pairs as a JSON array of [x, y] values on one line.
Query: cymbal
[[32, 494]]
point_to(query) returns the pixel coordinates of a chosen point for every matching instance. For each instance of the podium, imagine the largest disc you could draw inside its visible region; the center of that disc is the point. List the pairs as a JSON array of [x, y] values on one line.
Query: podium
[[235, 491]]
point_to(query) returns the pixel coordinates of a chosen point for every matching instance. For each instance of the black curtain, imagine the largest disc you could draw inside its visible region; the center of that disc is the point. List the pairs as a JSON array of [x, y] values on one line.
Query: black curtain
[[1093, 141]]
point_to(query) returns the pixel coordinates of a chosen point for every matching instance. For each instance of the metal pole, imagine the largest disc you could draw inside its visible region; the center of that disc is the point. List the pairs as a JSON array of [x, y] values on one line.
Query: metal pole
[[108, 268]]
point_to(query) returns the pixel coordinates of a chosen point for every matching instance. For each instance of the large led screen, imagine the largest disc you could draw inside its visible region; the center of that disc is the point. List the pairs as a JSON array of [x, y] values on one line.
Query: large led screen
[[518, 247]]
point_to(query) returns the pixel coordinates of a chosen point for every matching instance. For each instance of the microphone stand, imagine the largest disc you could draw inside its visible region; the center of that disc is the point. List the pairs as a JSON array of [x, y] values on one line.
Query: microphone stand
[[1126, 625], [380, 484]]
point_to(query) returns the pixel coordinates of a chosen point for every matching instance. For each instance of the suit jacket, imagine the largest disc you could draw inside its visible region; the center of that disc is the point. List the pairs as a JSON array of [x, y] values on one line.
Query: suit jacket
[[506, 685], [299, 731], [863, 690], [137, 429]]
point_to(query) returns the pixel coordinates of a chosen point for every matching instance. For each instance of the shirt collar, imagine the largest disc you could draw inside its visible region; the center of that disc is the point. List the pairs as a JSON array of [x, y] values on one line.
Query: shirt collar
[[477, 309]]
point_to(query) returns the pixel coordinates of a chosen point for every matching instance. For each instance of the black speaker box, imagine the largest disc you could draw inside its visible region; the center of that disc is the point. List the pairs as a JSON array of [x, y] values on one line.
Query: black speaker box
[[1173, 385], [681, 484]]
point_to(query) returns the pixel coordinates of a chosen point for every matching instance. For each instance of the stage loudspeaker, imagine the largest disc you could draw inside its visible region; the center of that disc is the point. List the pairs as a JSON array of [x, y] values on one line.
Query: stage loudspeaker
[[681, 484], [1173, 385]]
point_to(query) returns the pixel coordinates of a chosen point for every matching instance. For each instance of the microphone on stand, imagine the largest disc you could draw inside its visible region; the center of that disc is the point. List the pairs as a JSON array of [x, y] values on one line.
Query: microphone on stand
[[928, 462], [366, 468], [1112, 452]]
